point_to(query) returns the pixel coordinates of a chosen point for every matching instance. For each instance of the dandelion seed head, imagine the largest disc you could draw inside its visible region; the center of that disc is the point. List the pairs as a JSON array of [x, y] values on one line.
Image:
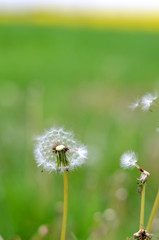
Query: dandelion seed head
[[147, 100], [57, 140], [128, 159]]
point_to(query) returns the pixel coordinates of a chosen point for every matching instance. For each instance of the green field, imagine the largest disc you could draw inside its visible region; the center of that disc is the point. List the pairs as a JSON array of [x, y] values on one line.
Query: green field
[[84, 80]]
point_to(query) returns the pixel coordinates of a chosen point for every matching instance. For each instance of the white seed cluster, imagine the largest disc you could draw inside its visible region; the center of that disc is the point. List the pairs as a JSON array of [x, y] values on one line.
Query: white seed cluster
[[128, 159], [45, 157], [144, 102]]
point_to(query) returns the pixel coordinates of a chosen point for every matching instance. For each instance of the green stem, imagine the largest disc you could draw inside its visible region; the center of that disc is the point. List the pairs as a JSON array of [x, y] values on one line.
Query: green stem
[[64, 221], [142, 207], [153, 212]]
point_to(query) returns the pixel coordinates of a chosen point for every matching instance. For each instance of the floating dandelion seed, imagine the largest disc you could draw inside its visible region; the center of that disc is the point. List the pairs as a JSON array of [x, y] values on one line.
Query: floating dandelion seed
[[145, 102], [57, 150]]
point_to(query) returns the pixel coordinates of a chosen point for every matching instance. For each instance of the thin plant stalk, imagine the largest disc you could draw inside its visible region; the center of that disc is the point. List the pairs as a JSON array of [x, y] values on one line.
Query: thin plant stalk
[[142, 207], [153, 212], [65, 208]]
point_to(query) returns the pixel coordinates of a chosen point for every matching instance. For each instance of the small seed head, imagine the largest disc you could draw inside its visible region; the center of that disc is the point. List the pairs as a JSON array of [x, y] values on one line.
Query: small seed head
[[57, 150]]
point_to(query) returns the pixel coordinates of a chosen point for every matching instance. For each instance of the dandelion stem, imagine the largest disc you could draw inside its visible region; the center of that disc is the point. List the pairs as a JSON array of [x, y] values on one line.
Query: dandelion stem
[[142, 207], [153, 212], [139, 168], [64, 220]]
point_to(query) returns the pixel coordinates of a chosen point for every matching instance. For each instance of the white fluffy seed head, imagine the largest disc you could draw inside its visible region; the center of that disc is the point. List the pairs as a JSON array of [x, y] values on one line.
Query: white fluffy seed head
[[45, 157], [147, 100], [128, 159]]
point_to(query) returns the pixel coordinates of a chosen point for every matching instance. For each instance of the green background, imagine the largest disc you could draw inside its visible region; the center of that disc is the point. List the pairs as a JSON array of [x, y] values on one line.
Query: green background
[[82, 79]]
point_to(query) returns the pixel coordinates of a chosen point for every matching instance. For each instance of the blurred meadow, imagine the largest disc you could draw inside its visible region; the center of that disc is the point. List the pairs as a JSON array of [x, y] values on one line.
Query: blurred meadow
[[83, 79]]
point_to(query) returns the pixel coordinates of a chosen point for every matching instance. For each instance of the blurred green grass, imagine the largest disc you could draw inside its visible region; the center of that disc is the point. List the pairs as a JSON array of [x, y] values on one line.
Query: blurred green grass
[[84, 80]]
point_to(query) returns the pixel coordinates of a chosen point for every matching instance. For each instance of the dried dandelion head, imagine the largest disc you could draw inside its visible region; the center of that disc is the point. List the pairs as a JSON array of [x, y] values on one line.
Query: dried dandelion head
[[142, 234], [144, 176], [57, 150]]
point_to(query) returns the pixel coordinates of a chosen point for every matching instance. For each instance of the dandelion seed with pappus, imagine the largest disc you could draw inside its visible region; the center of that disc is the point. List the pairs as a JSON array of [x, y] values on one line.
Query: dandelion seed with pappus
[[57, 150], [128, 159], [145, 102]]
